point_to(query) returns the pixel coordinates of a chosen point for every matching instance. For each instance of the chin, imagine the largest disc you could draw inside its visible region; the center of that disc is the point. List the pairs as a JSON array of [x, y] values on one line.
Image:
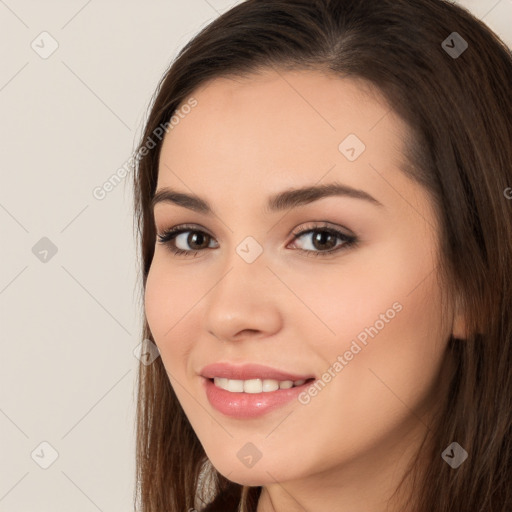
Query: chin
[[258, 475], [249, 478]]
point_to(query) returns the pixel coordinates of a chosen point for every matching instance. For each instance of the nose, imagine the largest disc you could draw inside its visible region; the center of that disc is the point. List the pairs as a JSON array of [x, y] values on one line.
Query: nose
[[244, 303]]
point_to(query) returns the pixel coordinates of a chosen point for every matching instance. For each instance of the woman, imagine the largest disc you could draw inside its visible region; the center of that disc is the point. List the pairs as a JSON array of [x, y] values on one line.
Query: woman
[[376, 137]]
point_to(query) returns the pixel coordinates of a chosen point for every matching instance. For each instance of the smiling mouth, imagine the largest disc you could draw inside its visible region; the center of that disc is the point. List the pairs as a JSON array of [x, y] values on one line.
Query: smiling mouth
[[256, 385]]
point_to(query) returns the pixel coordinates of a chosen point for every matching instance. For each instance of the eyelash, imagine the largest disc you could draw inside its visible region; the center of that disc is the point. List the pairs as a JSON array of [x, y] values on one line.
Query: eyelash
[[169, 235]]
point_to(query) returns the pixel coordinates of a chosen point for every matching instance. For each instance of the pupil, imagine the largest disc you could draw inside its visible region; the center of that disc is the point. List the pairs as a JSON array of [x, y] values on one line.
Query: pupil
[[193, 239], [321, 238]]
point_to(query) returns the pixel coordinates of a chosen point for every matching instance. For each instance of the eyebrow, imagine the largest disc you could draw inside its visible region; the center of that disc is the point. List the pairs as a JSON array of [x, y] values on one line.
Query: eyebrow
[[282, 201]]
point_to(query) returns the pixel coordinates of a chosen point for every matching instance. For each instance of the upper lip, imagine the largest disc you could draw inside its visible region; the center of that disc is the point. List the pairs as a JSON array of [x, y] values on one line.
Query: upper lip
[[249, 371]]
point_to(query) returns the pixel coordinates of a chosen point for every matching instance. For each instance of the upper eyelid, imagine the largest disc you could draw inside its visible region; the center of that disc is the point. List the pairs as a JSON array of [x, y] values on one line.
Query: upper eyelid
[[314, 225]]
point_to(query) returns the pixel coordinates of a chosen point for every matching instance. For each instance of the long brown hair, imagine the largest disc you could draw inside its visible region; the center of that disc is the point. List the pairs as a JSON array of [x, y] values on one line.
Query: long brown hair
[[458, 108]]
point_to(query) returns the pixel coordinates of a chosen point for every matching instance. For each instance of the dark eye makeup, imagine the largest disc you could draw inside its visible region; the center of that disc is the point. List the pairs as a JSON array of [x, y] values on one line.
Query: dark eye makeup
[[319, 235]]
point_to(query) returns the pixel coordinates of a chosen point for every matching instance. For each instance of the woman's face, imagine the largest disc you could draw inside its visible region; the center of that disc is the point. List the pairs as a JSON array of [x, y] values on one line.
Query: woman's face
[[363, 319]]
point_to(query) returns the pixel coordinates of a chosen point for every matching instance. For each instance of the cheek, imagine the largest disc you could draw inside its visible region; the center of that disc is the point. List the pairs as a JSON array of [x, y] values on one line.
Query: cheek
[[169, 303], [386, 323], [365, 291], [396, 371], [374, 282], [157, 300], [384, 385]]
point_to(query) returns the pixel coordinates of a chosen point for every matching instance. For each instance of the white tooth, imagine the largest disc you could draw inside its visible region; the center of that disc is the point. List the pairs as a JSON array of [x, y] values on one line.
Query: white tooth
[[253, 386], [221, 382], [270, 385], [235, 386]]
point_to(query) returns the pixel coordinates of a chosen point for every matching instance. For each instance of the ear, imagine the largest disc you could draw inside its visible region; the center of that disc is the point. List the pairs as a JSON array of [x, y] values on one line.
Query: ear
[[459, 325]]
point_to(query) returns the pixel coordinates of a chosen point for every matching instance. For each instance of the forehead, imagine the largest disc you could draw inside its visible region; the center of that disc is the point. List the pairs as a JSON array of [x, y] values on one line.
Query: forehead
[[277, 129]]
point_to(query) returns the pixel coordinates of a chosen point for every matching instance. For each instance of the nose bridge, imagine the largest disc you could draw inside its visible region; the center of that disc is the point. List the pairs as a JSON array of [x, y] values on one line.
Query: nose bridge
[[242, 297], [244, 275], [250, 250]]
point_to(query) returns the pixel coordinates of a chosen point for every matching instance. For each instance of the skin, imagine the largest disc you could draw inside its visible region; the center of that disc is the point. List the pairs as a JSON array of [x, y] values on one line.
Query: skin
[[250, 138]]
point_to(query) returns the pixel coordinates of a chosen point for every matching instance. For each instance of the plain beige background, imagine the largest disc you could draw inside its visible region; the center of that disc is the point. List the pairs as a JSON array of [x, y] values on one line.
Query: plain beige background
[[69, 295]]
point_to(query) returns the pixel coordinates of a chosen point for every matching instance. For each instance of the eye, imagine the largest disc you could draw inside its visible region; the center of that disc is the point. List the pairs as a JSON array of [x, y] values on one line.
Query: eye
[[191, 240], [320, 240]]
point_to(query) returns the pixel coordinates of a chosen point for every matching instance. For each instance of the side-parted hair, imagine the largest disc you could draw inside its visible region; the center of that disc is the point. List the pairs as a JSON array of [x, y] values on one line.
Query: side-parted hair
[[458, 109]]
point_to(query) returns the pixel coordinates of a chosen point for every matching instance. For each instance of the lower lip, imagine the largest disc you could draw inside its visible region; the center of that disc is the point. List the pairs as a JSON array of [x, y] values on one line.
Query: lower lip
[[249, 405]]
